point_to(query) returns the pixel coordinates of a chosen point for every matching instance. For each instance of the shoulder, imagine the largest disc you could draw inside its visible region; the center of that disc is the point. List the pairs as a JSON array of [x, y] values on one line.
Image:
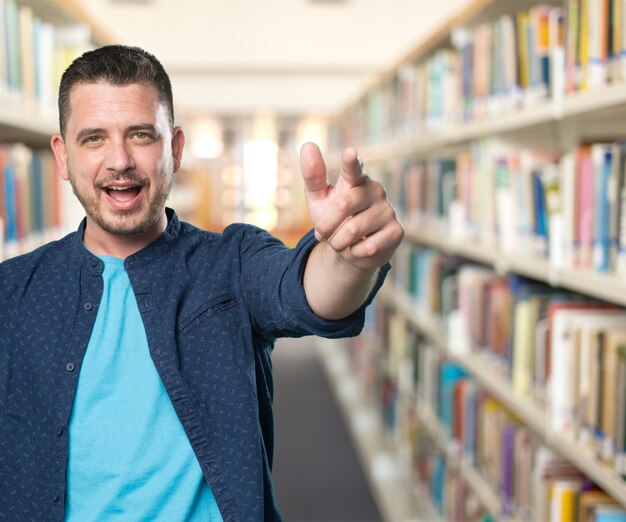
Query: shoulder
[[251, 237], [238, 236], [17, 271]]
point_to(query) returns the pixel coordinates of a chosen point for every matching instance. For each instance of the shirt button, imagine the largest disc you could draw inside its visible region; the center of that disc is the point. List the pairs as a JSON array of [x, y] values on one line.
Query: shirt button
[[87, 306], [70, 367], [60, 432], [56, 497]]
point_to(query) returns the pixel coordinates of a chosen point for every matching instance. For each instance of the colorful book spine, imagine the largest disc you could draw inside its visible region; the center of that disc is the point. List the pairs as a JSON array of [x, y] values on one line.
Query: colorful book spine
[[30, 199]]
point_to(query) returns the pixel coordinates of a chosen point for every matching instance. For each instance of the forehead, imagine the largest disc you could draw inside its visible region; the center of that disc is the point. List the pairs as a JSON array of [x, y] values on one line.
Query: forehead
[[104, 102]]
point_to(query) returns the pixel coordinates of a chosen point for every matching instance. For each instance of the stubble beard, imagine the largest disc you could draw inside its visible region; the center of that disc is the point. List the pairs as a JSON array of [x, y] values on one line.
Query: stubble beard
[[131, 222]]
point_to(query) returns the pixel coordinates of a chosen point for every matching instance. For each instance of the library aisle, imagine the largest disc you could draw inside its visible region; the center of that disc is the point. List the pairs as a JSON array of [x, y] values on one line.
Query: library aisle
[[317, 473]]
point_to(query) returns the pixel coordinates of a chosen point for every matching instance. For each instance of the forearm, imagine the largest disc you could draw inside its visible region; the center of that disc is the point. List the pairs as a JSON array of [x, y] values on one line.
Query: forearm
[[335, 288]]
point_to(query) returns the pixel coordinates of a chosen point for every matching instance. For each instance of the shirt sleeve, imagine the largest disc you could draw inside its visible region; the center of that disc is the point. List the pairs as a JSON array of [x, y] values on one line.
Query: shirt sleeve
[[272, 288]]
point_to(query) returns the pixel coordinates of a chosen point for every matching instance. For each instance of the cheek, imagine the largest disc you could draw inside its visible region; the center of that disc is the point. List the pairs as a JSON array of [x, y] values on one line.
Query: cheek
[[161, 164], [83, 169]]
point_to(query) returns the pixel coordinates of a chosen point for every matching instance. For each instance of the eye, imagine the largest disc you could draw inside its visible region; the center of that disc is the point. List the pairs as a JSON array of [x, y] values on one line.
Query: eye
[[92, 139], [143, 136]]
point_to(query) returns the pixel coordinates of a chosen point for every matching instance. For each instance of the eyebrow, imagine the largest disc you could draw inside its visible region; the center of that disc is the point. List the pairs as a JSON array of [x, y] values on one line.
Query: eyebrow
[[149, 127], [88, 132], [145, 127]]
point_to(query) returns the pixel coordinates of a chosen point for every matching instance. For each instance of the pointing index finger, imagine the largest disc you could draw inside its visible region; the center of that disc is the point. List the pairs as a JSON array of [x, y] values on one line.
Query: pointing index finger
[[352, 168]]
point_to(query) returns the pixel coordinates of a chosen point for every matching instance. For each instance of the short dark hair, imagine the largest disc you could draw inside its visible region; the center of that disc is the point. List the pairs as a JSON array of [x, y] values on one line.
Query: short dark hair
[[117, 65]]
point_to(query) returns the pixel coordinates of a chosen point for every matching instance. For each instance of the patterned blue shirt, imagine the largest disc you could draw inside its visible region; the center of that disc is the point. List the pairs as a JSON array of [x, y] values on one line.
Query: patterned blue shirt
[[212, 306]]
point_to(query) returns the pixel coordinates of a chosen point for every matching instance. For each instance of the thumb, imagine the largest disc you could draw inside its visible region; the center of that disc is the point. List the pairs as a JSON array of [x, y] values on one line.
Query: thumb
[[351, 172], [313, 172]]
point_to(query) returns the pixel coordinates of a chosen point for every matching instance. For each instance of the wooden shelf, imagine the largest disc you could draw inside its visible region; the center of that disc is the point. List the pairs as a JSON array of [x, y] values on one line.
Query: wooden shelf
[[557, 124], [391, 485], [479, 486], [607, 287], [21, 121], [396, 495], [488, 374], [607, 102]]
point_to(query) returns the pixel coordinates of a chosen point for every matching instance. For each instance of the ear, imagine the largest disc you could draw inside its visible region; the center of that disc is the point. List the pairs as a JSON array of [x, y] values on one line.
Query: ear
[[178, 143], [60, 155]]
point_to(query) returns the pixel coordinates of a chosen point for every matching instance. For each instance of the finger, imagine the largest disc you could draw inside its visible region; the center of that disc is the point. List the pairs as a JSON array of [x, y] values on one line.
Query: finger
[[313, 172], [351, 172], [376, 249], [361, 225], [343, 206]]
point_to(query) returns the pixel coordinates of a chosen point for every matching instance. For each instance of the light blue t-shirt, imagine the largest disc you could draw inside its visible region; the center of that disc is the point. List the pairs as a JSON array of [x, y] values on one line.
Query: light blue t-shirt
[[129, 457]]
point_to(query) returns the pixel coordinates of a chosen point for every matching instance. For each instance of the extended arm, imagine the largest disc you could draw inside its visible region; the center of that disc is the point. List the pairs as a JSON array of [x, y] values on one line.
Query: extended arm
[[357, 229]]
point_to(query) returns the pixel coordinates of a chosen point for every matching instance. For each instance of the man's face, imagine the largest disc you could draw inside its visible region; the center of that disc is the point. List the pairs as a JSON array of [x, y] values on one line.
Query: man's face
[[119, 155]]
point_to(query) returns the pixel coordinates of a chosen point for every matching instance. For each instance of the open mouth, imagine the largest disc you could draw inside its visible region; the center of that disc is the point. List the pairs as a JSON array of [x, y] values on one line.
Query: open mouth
[[123, 197], [123, 194]]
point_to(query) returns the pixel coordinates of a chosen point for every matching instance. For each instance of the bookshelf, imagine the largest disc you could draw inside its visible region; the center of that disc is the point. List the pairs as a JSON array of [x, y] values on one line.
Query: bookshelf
[[462, 143], [60, 31], [42, 38]]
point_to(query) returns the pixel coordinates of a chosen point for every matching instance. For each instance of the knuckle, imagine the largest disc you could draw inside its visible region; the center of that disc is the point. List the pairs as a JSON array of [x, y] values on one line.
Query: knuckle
[[380, 191], [398, 232], [323, 229], [353, 228], [390, 213], [344, 201], [370, 248]]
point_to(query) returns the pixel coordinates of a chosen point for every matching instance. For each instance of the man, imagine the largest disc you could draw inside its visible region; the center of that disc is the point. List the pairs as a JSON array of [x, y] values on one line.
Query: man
[[135, 355]]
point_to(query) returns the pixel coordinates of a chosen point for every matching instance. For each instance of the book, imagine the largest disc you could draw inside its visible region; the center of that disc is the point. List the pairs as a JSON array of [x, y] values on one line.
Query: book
[[12, 43], [583, 54], [620, 418], [610, 393], [572, 35], [602, 158], [598, 39], [585, 191], [27, 59], [449, 375], [590, 501], [3, 53], [563, 500], [592, 330], [609, 514], [568, 329], [556, 45]]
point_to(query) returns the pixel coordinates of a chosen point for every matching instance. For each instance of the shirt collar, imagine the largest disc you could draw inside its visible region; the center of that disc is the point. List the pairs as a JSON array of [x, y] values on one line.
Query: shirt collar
[[146, 255]]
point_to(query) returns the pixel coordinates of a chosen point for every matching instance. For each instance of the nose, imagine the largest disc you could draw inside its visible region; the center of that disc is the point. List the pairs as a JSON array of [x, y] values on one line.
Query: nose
[[119, 156]]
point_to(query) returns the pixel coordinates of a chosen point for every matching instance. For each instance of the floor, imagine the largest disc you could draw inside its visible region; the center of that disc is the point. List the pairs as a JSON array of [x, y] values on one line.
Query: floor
[[317, 474]]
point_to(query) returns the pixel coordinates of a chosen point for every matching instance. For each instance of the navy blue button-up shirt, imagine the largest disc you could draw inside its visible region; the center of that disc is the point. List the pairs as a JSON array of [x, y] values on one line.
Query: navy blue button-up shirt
[[212, 306]]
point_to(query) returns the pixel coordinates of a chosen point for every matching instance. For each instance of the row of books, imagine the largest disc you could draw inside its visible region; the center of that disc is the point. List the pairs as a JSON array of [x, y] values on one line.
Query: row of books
[[564, 351], [508, 64], [34, 54], [568, 208], [32, 198], [473, 430]]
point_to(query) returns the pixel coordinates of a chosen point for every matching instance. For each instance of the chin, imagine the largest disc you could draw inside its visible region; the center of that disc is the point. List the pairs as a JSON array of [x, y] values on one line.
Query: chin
[[127, 224]]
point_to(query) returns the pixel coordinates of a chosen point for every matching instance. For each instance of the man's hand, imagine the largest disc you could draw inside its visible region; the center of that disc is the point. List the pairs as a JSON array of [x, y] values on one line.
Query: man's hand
[[352, 216], [357, 229]]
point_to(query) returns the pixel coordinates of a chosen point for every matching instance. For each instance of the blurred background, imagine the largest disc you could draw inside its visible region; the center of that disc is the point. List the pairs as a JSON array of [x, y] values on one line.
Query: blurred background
[[252, 81], [497, 128]]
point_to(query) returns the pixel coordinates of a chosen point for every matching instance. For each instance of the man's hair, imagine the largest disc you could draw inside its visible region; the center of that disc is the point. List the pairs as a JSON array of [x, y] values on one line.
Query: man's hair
[[116, 65]]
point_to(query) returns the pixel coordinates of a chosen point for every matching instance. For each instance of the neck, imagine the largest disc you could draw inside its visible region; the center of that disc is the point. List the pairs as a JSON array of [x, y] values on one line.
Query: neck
[[104, 243]]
